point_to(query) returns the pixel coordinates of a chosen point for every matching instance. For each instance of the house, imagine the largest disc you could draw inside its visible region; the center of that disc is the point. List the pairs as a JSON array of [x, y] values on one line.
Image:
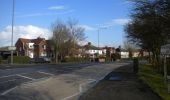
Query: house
[[91, 50], [108, 50], [124, 53], [32, 47], [94, 51]]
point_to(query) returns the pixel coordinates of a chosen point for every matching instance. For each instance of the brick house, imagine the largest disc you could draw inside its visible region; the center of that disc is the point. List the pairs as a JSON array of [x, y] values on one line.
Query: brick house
[[33, 47]]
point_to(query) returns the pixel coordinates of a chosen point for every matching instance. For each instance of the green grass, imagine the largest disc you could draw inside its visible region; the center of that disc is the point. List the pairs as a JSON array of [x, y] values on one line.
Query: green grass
[[155, 80]]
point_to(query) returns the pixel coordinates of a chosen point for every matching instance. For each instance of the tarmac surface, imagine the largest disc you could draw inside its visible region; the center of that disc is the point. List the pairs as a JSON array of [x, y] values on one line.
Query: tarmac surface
[[121, 84], [52, 82]]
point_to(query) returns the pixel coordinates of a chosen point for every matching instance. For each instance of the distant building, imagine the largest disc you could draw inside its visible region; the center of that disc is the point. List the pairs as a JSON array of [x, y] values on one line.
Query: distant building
[[5, 52], [32, 47], [93, 51]]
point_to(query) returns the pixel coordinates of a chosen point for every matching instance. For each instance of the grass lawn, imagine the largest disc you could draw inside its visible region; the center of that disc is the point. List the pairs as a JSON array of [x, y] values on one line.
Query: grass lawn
[[155, 80]]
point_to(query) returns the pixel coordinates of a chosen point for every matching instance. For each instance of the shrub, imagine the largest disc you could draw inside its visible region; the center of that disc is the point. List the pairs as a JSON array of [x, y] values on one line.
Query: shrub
[[0, 59], [115, 56], [74, 59], [20, 59]]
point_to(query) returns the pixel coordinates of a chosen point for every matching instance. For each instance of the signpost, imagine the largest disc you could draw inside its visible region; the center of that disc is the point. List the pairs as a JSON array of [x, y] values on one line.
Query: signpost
[[11, 48], [165, 51]]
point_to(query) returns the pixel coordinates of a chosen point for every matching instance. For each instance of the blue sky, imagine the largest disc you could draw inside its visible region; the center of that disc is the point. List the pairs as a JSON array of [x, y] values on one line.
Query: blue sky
[[34, 18]]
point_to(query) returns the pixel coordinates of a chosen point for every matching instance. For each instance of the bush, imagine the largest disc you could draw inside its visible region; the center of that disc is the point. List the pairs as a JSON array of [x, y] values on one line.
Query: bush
[[0, 59], [115, 56], [74, 59], [20, 59]]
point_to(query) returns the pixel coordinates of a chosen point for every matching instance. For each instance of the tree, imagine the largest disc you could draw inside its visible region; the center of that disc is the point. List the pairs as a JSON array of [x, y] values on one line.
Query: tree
[[59, 38], [149, 26], [65, 38], [76, 33], [129, 47], [108, 54]]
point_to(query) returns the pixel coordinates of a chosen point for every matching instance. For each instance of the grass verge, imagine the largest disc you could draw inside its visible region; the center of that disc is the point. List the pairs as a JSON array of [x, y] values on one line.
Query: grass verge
[[155, 80]]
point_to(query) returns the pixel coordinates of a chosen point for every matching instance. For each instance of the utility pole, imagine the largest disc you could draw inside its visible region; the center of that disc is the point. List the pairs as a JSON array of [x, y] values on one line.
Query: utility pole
[[98, 35], [13, 9]]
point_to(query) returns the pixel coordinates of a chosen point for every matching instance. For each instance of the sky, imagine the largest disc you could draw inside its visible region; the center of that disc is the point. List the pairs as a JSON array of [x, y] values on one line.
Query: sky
[[33, 18]]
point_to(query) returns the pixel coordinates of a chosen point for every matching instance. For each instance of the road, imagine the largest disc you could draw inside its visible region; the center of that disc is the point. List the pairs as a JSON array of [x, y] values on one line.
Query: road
[[60, 82]]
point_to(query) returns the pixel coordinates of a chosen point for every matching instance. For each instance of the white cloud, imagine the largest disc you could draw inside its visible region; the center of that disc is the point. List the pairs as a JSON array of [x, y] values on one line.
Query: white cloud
[[120, 21], [45, 14], [88, 28], [83, 42], [57, 7], [28, 31], [113, 22]]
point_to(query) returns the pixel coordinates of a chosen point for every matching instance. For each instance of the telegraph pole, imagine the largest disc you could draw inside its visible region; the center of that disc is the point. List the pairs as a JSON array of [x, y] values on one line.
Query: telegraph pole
[[13, 9]]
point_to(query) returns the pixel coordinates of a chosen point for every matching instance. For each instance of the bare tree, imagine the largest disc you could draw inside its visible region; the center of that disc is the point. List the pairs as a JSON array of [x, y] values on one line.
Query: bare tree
[[66, 37], [129, 47], [76, 33], [59, 38]]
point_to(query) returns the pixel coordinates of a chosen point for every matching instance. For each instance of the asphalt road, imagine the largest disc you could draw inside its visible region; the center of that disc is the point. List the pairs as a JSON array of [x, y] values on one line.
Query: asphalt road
[[10, 78], [71, 77]]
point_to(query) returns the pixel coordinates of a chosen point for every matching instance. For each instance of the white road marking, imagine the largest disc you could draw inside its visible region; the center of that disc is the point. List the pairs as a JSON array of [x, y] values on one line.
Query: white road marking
[[7, 91], [8, 81], [7, 76], [80, 85], [71, 96], [46, 73], [80, 89], [25, 77], [12, 75]]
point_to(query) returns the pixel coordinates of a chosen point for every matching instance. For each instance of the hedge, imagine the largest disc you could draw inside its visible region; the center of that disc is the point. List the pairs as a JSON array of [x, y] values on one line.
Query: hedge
[[74, 59], [20, 59]]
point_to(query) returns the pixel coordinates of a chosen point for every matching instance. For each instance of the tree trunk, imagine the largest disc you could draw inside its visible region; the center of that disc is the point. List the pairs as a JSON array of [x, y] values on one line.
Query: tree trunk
[[150, 57], [56, 56]]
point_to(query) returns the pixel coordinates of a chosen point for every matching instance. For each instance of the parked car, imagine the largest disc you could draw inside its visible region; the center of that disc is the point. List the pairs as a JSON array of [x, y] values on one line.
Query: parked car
[[47, 60], [40, 60]]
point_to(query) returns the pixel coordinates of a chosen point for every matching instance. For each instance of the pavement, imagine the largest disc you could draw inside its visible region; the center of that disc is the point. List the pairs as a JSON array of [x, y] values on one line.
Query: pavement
[[52, 82], [121, 84]]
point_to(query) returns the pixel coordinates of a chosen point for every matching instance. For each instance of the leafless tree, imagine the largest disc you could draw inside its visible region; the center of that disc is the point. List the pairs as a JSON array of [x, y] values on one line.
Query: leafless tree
[[76, 33], [129, 47], [66, 37], [59, 38]]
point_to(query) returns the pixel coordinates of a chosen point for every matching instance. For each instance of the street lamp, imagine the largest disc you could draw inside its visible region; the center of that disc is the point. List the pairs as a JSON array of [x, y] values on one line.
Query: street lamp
[[13, 9], [98, 33]]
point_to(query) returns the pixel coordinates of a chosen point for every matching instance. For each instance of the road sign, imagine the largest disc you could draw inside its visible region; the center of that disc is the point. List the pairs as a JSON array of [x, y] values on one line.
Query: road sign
[[165, 49], [11, 48]]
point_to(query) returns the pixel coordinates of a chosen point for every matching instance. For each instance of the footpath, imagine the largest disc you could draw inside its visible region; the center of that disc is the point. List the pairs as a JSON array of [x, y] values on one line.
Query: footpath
[[121, 84]]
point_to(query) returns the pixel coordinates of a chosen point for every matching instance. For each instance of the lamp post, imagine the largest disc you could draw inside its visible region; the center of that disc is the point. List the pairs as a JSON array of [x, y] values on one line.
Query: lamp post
[[13, 9], [98, 35]]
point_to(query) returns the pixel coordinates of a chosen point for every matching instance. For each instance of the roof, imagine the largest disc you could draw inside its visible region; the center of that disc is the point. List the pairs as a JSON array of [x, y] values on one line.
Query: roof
[[24, 40], [36, 41], [91, 47]]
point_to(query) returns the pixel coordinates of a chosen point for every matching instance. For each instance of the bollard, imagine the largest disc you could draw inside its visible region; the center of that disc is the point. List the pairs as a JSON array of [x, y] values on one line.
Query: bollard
[[135, 65]]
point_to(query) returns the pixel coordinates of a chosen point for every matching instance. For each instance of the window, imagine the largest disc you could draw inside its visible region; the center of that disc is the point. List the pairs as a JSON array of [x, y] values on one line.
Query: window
[[20, 49], [31, 45], [44, 46]]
